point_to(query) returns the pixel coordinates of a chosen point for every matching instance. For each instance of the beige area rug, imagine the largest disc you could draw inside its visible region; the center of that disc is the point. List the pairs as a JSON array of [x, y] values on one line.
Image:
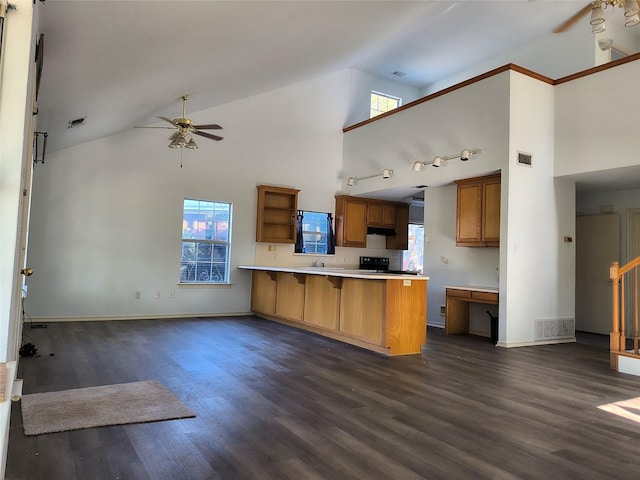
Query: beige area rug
[[90, 407]]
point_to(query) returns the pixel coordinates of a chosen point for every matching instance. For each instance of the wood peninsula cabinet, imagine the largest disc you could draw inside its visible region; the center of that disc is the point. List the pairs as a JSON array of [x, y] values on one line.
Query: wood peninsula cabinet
[[478, 212], [276, 216], [354, 215], [384, 313]]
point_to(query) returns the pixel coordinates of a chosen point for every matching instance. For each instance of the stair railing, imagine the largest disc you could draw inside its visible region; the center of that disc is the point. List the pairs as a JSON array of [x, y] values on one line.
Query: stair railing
[[618, 339]]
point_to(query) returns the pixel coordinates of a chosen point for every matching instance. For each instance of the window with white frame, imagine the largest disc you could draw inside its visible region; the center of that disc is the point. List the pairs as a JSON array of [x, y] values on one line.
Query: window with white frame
[[206, 242], [381, 103]]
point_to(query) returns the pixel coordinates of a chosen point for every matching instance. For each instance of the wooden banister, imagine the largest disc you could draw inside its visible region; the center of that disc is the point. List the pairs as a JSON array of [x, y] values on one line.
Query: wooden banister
[[617, 340]]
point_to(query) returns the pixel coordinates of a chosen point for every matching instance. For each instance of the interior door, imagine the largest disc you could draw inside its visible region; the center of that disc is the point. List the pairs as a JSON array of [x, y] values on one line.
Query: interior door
[[597, 245]]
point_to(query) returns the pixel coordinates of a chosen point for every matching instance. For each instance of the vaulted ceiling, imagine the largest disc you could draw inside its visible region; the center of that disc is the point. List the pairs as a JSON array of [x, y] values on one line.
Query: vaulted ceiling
[[123, 63]]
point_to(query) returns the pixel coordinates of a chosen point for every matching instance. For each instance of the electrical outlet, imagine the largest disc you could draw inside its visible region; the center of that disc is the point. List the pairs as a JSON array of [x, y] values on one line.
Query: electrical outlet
[[172, 294], [137, 295], [157, 295]]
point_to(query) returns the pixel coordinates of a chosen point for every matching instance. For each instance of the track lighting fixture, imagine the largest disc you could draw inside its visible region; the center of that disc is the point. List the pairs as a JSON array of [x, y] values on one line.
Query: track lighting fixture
[[439, 161], [386, 173]]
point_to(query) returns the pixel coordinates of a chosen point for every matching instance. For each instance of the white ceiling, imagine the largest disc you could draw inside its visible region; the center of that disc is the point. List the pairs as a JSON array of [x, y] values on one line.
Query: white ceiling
[[123, 63]]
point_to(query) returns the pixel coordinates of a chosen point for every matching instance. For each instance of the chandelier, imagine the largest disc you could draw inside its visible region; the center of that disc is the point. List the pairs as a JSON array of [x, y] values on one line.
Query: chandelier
[[631, 10]]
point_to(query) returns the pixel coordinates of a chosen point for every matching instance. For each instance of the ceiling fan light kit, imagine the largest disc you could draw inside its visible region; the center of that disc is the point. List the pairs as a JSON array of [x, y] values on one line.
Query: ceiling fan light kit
[[183, 138], [631, 13]]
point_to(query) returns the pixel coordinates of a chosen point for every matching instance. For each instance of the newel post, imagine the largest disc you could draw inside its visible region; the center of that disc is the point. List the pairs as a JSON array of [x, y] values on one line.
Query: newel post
[[614, 338]]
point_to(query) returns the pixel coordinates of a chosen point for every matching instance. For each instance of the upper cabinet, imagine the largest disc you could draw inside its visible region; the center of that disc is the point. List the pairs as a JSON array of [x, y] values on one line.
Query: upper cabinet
[[381, 215], [354, 215], [478, 212], [276, 218], [351, 221]]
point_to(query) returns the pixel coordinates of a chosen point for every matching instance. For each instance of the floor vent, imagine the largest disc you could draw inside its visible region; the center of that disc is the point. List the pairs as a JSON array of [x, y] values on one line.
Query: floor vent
[[554, 328]]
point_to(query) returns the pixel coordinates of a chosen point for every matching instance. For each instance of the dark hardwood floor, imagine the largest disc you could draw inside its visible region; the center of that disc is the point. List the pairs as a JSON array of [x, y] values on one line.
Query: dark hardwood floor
[[273, 402]]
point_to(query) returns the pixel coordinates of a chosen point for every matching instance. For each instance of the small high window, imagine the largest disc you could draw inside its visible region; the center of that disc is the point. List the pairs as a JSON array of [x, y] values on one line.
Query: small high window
[[206, 242], [381, 103]]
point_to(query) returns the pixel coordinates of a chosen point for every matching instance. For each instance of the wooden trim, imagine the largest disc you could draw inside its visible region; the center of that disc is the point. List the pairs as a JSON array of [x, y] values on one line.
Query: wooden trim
[[599, 68], [491, 73]]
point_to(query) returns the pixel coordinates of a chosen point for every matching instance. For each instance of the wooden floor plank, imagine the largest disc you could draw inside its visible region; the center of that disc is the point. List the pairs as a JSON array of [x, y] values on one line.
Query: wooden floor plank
[[274, 402]]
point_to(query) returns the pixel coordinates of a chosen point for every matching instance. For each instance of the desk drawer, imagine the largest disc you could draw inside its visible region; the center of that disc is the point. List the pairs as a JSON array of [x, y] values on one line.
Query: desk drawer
[[485, 297], [452, 292]]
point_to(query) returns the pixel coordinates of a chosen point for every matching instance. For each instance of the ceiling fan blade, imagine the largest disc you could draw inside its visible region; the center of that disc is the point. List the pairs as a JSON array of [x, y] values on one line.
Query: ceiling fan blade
[[208, 135], [166, 128], [575, 18], [167, 120], [212, 126]]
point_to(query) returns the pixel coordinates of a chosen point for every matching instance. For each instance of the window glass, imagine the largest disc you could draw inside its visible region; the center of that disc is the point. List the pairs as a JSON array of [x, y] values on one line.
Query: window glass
[[381, 103], [412, 259], [206, 245]]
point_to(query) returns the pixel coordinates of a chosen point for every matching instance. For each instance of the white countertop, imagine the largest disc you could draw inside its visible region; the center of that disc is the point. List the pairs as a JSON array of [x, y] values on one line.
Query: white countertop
[[335, 272], [474, 288]]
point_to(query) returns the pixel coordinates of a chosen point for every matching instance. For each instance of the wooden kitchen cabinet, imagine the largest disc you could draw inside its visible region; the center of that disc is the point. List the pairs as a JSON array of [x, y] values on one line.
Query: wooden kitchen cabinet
[[478, 212], [276, 216], [381, 215], [263, 288], [290, 296], [355, 214], [400, 241], [351, 221]]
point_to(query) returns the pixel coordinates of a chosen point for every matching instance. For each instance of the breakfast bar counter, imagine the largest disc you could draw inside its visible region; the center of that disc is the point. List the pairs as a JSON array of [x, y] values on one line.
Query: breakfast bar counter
[[382, 312]]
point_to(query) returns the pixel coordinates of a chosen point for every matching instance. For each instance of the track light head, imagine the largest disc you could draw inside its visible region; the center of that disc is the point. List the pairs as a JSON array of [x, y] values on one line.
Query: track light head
[[386, 173], [417, 166], [437, 161], [464, 155], [351, 181]]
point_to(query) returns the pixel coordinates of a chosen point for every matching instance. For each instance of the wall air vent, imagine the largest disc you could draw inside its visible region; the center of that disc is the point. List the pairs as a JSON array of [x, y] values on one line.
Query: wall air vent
[[524, 159], [76, 123]]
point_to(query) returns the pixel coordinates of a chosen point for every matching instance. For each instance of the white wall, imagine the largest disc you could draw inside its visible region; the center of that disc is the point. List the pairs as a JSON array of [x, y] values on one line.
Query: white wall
[[107, 215], [475, 117], [552, 55], [596, 119], [537, 267], [620, 202], [362, 84]]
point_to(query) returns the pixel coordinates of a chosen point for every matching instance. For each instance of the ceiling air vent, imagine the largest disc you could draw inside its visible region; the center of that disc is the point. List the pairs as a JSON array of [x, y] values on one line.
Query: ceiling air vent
[[76, 123], [524, 159]]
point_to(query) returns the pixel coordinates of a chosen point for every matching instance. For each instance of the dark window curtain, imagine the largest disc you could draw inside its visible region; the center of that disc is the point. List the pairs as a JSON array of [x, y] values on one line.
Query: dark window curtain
[[331, 238], [299, 239]]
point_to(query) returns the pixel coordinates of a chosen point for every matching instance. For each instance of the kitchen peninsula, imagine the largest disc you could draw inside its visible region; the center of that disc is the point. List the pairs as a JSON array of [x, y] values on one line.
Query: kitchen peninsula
[[382, 312]]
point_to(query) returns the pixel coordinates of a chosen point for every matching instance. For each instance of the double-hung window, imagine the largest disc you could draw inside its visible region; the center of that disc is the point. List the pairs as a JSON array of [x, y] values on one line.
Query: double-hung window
[[206, 242]]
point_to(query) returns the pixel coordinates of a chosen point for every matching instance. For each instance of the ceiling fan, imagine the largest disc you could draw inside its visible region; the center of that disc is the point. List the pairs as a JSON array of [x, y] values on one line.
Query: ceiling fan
[[597, 20], [183, 137]]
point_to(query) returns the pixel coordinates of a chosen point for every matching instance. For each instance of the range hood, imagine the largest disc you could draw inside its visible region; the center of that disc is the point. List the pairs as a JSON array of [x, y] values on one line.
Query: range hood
[[387, 232]]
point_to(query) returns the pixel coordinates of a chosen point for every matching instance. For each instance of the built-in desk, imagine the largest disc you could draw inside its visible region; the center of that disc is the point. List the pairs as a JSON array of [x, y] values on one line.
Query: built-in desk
[[457, 309]]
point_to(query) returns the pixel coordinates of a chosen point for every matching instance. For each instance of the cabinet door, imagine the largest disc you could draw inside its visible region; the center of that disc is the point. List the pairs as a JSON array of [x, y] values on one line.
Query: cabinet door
[[400, 241], [469, 221], [351, 222], [381, 215], [491, 212]]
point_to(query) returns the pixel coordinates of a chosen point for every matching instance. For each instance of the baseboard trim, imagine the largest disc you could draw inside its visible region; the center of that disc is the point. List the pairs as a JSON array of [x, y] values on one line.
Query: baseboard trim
[[534, 344], [136, 317], [5, 415]]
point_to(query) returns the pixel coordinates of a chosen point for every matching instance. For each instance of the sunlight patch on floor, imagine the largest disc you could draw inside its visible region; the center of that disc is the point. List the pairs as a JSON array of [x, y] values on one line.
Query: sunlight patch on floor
[[629, 409]]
